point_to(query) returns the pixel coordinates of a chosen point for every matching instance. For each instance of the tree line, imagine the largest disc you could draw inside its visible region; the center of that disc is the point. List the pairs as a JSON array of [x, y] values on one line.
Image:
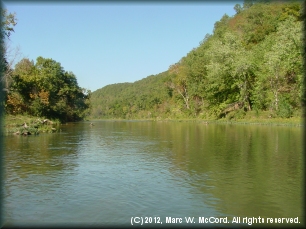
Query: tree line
[[42, 88], [253, 62]]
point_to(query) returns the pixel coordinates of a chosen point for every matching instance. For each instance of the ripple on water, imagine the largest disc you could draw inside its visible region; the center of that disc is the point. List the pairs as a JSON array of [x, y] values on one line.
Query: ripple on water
[[117, 170]]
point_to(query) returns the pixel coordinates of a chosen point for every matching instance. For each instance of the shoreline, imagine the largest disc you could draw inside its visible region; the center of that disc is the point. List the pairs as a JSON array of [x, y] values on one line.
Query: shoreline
[[24, 125], [14, 125], [299, 122]]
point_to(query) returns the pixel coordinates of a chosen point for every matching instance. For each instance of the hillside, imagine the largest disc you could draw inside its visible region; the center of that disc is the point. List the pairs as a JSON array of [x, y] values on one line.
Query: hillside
[[141, 99], [251, 64]]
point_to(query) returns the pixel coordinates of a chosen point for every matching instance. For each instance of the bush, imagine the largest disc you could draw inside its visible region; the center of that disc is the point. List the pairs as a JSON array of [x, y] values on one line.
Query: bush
[[284, 109]]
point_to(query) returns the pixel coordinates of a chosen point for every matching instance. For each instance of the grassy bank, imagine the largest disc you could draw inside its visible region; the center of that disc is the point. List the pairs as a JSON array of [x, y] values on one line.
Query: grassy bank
[[263, 118], [273, 122], [29, 125], [250, 119], [234, 117]]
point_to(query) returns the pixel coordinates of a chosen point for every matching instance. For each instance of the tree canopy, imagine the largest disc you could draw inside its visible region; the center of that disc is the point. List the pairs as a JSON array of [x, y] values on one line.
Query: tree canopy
[[42, 88], [45, 89], [253, 61]]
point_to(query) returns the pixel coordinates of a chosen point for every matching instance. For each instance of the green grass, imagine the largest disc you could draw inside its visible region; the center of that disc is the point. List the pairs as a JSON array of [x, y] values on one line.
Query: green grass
[[15, 125], [295, 121], [235, 117]]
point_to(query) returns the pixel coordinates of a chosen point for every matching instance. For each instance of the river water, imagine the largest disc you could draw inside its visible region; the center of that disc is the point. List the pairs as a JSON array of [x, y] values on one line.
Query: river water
[[115, 170]]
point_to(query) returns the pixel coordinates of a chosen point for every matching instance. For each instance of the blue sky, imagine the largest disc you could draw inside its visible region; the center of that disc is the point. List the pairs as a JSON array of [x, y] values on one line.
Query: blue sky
[[104, 43]]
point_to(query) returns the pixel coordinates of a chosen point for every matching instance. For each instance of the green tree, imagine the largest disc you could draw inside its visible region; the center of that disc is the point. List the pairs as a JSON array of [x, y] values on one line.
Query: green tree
[[284, 64], [179, 79], [8, 23], [252, 60], [238, 8], [222, 87], [47, 90], [22, 82]]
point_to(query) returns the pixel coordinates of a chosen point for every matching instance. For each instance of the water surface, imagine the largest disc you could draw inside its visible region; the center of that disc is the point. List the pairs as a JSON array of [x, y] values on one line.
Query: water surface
[[112, 171]]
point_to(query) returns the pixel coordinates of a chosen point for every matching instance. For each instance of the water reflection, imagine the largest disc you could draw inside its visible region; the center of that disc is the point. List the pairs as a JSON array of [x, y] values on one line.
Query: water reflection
[[111, 171], [44, 154], [252, 170]]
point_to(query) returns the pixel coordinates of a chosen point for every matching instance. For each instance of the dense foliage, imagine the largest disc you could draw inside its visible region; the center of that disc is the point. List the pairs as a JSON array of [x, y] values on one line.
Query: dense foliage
[[8, 21], [144, 98], [41, 89], [45, 89], [251, 63]]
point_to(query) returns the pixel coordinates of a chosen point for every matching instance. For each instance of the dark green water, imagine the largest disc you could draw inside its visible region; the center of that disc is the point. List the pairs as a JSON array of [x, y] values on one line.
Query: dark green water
[[116, 170]]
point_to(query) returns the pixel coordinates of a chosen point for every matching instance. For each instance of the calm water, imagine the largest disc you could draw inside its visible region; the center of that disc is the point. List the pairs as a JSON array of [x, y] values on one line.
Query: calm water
[[116, 170]]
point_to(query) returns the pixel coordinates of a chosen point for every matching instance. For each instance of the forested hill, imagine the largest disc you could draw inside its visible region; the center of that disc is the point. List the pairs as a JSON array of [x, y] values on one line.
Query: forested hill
[[251, 64], [141, 99]]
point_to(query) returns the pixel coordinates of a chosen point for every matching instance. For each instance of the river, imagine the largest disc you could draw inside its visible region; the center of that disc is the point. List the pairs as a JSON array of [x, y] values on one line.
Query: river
[[156, 172]]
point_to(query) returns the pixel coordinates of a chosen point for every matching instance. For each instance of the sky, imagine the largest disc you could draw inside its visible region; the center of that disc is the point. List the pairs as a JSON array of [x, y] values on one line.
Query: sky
[[105, 43]]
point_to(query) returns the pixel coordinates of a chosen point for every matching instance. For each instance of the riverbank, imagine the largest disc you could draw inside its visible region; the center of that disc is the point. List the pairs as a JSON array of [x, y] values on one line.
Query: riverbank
[[29, 125], [254, 121], [274, 122]]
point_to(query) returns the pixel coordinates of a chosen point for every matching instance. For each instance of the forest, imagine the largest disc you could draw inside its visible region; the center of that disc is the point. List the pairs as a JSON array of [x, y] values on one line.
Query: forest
[[39, 89], [251, 64]]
